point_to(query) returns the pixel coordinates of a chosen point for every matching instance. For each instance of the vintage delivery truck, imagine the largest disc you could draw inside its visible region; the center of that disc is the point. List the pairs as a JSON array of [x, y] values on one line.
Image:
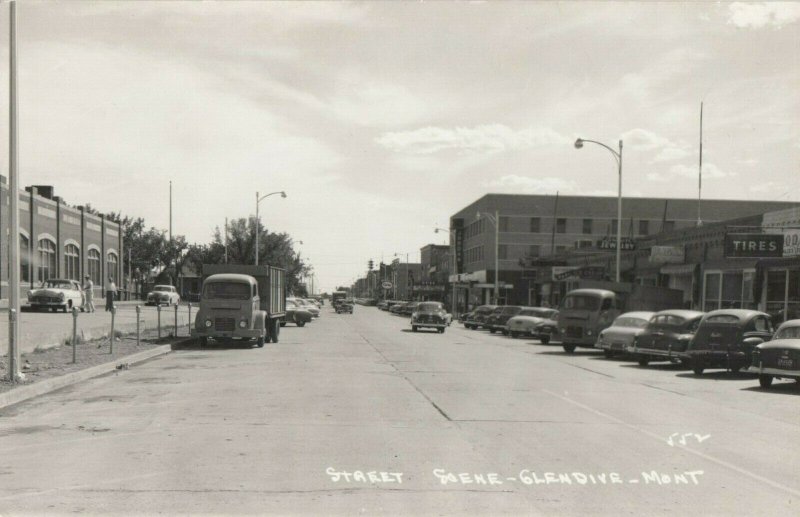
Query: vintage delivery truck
[[241, 302]]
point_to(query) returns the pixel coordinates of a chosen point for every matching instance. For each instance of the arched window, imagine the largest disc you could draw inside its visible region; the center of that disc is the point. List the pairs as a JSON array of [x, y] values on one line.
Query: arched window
[[111, 265], [47, 259], [72, 262], [24, 264], [93, 265]]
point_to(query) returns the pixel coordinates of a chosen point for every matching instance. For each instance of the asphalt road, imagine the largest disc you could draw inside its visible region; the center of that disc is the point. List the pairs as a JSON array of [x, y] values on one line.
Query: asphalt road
[[356, 414]]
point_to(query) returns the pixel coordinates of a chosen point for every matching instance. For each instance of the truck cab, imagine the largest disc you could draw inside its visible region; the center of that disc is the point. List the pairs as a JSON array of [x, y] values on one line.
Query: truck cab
[[583, 314]]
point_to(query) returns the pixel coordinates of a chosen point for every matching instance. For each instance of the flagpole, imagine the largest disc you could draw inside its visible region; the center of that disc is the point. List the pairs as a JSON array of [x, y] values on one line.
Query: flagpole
[[700, 169]]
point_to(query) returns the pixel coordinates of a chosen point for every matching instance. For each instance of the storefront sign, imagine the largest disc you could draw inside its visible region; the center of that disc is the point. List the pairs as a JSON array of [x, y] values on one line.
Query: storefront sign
[[610, 243], [791, 243], [667, 254], [586, 273], [754, 245], [459, 243], [429, 288]]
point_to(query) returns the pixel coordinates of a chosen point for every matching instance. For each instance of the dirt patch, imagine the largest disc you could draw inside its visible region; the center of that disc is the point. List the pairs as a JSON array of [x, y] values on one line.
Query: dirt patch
[[57, 361]]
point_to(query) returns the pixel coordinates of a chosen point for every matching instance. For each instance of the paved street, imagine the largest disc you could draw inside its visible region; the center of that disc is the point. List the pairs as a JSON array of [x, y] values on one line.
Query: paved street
[[356, 414]]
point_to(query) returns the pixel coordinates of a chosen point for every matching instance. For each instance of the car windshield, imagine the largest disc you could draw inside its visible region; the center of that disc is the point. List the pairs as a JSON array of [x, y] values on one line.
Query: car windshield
[[290, 304], [163, 288], [788, 333], [58, 284], [627, 321], [429, 306], [227, 290], [584, 302], [723, 318]]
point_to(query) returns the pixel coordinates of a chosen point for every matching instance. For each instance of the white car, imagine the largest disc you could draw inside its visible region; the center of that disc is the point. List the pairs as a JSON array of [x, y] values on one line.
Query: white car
[[163, 295], [306, 305], [56, 293]]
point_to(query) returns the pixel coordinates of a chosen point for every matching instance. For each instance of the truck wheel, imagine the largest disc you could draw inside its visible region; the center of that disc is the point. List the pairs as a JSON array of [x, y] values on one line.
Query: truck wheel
[[204, 341], [276, 329], [569, 348], [765, 381], [545, 340]]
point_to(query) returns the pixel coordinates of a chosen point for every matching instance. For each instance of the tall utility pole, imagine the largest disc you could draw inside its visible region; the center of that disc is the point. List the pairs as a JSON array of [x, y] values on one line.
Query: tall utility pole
[[175, 281], [700, 170], [226, 240], [13, 190]]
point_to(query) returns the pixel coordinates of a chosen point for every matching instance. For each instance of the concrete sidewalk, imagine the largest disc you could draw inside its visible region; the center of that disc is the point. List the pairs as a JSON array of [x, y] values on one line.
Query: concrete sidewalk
[[47, 329]]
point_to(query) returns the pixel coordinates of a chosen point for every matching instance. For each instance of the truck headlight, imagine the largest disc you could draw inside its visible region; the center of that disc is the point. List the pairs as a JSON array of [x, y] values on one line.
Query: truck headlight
[[208, 323], [242, 324]]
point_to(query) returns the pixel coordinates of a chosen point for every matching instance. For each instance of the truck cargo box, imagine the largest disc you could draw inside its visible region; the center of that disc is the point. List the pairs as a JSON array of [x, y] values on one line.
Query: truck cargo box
[[271, 283]]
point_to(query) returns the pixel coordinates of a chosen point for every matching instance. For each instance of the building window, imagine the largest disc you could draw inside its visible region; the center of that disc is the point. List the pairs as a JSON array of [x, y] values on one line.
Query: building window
[[534, 250], [561, 225], [93, 266], [24, 259], [535, 225], [587, 226], [613, 230], [644, 227], [502, 251], [505, 224], [668, 226], [712, 291], [111, 265], [47, 259], [561, 249], [72, 262]]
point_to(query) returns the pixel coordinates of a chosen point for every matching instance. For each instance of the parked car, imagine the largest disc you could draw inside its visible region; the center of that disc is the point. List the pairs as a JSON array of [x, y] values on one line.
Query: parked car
[[620, 335], [296, 314], [397, 307], [429, 315], [408, 309], [547, 330], [666, 337], [344, 307], [525, 321], [163, 295], [310, 307], [56, 293], [478, 317], [382, 305], [780, 357], [497, 321], [726, 339]]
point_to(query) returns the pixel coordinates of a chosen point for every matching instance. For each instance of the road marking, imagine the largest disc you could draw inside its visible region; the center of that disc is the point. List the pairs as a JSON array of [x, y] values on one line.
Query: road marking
[[81, 486], [712, 459]]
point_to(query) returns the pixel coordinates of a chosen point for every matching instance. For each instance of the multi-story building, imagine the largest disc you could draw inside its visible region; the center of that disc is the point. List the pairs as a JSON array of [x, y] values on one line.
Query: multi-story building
[[530, 226], [58, 241], [403, 278], [433, 283]]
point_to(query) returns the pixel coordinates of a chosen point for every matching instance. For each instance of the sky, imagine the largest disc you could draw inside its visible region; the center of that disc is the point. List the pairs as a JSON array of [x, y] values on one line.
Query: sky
[[381, 120]]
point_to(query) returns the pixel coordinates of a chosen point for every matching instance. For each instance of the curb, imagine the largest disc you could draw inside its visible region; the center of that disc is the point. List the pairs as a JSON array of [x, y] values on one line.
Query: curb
[[24, 393]]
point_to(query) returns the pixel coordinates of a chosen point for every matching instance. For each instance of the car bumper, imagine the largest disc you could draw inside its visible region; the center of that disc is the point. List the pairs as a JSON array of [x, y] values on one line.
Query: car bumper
[[669, 354], [47, 304], [429, 325], [226, 334], [777, 372]]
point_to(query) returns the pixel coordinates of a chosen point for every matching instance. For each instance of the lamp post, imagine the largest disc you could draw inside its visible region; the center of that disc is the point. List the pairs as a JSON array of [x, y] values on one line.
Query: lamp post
[[258, 200], [617, 156], [453, 308], [496, 221]]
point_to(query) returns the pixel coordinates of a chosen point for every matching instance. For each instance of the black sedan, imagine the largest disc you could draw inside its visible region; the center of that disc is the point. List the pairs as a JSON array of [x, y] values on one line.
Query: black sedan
[[780, 358], [429, 315], [666, 336], [726, 339]]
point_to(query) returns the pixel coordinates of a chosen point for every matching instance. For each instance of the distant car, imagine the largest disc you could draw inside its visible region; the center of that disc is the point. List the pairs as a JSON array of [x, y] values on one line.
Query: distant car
[[429, 315], [780, 358], [408, 309], [310, 307], [477, 318], [56, 293], [296, 314], [666, 336], [726, 339], [499, 319], [525, 321], [547, 330], [344, 307], [623, 330], [163, 295]]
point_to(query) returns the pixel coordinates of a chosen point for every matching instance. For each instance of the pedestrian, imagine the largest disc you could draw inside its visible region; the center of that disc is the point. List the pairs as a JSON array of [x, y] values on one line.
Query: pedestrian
[[88, 292], [111, 292]]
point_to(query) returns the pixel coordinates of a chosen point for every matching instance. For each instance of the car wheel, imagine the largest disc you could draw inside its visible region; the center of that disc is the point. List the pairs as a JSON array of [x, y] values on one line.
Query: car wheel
[[413, 328], [492, 331], [441, 330], [697, 368], [260, 342], [545, 340], [569, 348], [765, 381], [301, 323], [608, 354], [643, 361], [505, 332], [514, 334]]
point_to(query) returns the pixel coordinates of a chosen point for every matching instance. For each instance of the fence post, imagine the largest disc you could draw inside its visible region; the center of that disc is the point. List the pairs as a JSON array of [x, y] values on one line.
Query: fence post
[[158, 309], [138, 321], [190, 318], [176, 320], [113, 314], [74, 335]]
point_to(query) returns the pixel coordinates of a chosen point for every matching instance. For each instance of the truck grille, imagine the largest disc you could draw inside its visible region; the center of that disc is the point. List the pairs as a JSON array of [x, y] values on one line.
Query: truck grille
[[574, 332], [224, 324]]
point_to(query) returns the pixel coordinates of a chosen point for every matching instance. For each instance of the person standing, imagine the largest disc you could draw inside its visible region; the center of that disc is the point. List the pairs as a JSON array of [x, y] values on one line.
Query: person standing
[[88, 292], [111, 292]]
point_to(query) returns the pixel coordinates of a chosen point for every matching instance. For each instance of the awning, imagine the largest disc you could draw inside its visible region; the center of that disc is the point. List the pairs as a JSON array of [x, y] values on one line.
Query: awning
[[678, 269]]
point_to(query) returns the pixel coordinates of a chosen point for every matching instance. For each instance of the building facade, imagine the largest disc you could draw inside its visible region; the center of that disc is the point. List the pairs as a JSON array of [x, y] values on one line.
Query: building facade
[[58, 241], [523, 228]]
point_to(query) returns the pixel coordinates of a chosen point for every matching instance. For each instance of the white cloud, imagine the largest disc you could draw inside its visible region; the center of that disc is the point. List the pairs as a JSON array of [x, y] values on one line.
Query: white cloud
[[643, 140], [528, 185], [671, 153], [767, 186], [758, 15], [490, 138], [710, 172]]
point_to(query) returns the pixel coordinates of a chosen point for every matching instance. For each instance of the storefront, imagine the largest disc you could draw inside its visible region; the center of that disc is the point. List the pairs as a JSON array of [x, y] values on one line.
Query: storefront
[[779, 281]]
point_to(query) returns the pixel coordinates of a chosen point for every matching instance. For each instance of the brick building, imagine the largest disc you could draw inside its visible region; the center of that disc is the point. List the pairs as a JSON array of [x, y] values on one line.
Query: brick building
[[58, 241]]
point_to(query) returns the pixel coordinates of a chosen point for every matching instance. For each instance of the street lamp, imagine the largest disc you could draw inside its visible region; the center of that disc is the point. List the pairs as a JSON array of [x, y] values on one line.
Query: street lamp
[[452, 268], [258, 200], [496, 221], [617, 156]]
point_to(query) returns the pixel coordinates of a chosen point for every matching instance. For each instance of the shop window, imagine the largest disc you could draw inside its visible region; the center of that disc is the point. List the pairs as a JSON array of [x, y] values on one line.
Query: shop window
[[93, 266], [535, 225], [747, 290], [561, 225], [72, 262], [587, 226], [47, 259], [731, 290]]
